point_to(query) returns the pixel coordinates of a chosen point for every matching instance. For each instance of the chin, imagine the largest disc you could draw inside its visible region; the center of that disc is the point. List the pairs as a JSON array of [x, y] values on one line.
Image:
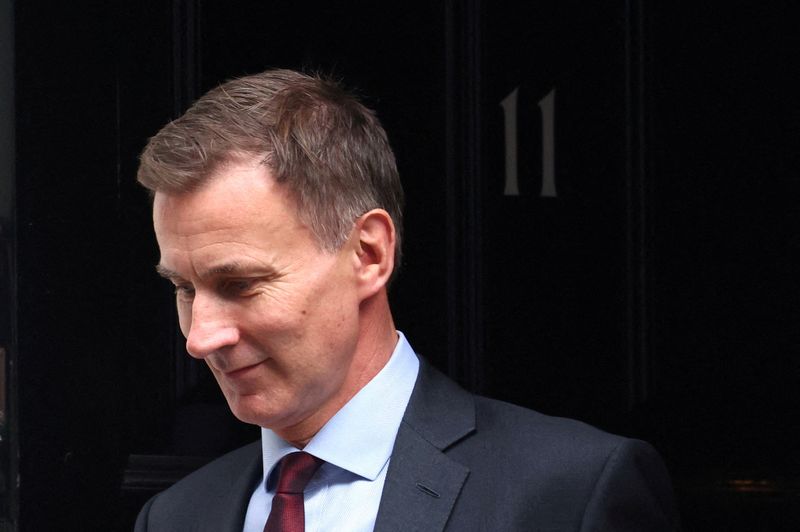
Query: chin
[[252, 410]]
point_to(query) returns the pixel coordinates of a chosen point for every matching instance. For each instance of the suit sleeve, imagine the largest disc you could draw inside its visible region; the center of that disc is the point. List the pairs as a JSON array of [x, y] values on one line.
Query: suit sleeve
[[632, 493], [144, 516]]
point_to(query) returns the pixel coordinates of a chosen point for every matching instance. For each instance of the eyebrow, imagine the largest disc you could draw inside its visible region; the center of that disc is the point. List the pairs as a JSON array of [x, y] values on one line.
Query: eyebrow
[[166, 273], [229, 268]]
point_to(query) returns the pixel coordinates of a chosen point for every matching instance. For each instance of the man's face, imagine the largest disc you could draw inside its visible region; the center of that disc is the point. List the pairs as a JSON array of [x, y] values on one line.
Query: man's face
[[273, 315]]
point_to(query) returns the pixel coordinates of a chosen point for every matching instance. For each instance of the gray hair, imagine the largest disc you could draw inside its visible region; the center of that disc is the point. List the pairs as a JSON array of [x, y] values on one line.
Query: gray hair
[[329, 150]]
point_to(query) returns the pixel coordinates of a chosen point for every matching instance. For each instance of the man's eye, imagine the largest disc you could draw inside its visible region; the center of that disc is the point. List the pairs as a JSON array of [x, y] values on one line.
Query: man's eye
[[184, 291], [238, 286]]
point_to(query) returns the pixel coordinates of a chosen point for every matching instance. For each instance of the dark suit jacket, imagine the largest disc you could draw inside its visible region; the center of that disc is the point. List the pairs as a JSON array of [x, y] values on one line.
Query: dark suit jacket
[[463, 463]]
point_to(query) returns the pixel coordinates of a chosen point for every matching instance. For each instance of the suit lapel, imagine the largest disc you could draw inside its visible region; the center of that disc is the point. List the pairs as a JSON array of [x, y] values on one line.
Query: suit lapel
[[423, 484], [227, 515]]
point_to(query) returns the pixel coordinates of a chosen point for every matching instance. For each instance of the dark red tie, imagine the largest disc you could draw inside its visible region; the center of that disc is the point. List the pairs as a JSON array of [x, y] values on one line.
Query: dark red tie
[[288, 514]]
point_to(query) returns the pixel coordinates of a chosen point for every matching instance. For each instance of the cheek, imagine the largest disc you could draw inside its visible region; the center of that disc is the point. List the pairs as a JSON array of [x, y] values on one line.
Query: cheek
[[185, 317]]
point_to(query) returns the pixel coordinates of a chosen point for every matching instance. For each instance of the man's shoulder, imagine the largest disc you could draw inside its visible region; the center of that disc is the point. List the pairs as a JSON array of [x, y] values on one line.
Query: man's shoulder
[[548, 443], [496, 430], [559, 470], [226, 481], [506, 420], [548, 470], [439, 404]]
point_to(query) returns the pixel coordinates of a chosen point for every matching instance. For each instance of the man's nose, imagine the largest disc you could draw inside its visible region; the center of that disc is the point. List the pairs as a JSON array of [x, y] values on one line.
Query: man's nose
[[210, 330]]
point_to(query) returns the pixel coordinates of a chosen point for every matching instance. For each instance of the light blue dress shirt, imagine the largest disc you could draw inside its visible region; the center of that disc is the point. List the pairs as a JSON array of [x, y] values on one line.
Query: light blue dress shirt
[[355, 444]]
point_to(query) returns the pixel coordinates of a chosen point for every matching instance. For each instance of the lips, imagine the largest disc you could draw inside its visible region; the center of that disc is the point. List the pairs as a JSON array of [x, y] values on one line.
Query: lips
[[240, 372]]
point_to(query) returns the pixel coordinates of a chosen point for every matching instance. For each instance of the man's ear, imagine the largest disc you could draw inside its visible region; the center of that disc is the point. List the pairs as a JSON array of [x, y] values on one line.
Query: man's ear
[[374, 242]]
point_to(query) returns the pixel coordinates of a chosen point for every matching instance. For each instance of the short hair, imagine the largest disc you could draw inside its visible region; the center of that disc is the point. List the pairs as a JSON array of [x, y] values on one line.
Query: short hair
[[328, 149]]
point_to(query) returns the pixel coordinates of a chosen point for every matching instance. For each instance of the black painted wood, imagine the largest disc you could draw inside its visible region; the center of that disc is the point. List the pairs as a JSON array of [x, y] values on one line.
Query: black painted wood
[[92, 82], [465, 174], [557, 271], [724, 284]]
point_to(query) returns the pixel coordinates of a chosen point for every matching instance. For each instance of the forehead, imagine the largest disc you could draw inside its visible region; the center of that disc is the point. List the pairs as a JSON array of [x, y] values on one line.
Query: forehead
[[240, 216], [236, 193]]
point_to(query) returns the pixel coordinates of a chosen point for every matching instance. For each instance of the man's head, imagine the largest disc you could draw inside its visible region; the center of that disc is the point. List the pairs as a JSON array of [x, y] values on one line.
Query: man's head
[[270, 211], [329, 150]]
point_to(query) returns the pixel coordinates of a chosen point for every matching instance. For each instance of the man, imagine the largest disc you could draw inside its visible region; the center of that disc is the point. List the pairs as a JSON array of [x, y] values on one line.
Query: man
[[277, 210]]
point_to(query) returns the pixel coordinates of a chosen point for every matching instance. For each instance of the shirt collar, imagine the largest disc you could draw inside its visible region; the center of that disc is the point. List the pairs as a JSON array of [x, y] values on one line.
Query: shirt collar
[[360, 436]]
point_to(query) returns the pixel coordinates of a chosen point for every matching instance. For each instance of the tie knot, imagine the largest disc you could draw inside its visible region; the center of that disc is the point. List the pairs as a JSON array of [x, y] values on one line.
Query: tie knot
[[296, 470]]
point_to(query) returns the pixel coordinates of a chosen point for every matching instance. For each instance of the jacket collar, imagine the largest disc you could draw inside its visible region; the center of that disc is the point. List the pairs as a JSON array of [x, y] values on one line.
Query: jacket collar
[[423, 484]]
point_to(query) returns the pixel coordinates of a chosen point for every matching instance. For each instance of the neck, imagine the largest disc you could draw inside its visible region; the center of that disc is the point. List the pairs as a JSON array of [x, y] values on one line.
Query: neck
[[376, 342]]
